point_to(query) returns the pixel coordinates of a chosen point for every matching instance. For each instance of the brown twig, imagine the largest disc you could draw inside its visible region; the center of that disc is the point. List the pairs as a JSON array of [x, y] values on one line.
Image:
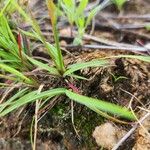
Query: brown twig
[[112, 25], [107, 42], [130, 16], [138, 49]]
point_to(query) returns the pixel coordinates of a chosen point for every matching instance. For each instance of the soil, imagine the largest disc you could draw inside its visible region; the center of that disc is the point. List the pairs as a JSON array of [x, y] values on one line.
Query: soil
[[56, 130]]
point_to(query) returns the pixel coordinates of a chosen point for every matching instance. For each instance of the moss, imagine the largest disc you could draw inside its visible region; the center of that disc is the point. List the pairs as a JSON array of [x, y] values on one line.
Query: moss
[[85, 122]]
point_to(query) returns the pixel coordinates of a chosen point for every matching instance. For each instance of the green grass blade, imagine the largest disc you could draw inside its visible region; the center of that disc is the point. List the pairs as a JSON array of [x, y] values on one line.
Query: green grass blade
[[101, 105], [8, 56], [38, 34], [31, 97], [7, 39], [78, 66], [29, 34], [41, 65], [96, 10], [119, 3], [4, 61], [69, 3], [5, 7], [50, 48], [60, 65], [92, 14], [53, 17], [34, 24], [104, 114], [16, 73], [140, 57], [9, 31], [81, 7], [15, 96], [69, 11]]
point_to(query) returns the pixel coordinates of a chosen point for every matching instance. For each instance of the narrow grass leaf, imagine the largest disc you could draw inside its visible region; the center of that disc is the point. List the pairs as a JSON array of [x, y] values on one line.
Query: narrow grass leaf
[[52, 51], [53, 17], [101, 105], [81, 7], [33, 23], [78, 66], [92, 14], [119, 3], [15, 96], [10, 32], [140, 57], [38, 33], [6, 61], [16, 73], [69, 3], [8, 56], [104, 114], [5, 7], [41, 65], [31, 97]]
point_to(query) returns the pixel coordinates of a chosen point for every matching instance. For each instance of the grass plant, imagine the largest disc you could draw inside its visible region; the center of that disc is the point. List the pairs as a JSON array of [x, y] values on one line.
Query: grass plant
[[75, 14], [11, 62]]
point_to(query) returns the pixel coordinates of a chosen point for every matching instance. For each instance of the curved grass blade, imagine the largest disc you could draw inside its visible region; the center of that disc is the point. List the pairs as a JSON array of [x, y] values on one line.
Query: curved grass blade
[[119, 3], [41, 65], [52, 51], [5, 7], [16, 73], [17, 95], [69, 3], [6, 31], [78, 66], [31, 97], [7, 61], [140, 57], [78, 77], [96, 10], [107, 116], [38, 34], [101, 105], [81, 7]]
